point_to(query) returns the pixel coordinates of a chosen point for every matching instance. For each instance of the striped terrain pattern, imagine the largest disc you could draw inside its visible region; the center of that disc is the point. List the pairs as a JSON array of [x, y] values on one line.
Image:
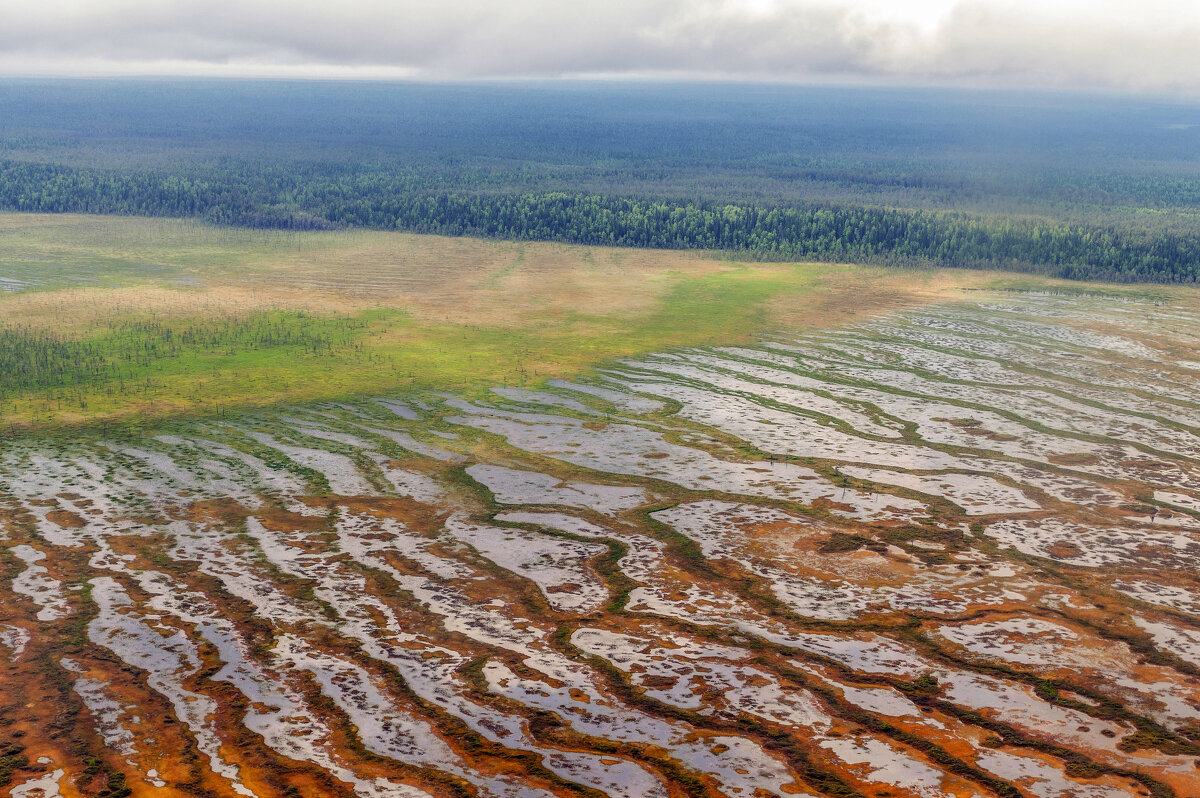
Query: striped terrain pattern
[[950, 552]]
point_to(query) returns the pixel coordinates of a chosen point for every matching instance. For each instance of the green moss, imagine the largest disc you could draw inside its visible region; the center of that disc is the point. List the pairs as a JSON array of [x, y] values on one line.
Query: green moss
[[840, 542], [12, 759]]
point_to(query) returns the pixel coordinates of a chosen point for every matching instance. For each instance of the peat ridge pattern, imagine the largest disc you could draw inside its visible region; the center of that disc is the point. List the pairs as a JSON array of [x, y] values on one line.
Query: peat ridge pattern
[[951, 552]]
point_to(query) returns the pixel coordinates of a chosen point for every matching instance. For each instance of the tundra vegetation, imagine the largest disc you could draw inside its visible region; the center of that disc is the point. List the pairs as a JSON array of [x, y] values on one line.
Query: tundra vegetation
[[375, 514], [123, 319]]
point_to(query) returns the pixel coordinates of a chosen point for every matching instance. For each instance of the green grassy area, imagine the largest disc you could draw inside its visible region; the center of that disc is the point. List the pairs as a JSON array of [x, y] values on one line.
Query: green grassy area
[[204, 364], [133, 351], [177, 318], [50, 252]]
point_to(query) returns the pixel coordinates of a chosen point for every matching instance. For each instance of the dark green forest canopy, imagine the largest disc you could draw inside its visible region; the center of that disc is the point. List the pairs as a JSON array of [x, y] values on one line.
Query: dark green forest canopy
[[1071, 186]]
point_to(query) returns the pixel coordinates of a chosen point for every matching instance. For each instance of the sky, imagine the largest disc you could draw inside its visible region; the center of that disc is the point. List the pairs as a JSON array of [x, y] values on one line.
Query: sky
[[1141, 46]]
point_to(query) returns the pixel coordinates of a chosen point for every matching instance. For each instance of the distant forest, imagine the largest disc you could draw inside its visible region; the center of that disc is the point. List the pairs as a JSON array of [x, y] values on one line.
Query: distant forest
[[1073, 186]]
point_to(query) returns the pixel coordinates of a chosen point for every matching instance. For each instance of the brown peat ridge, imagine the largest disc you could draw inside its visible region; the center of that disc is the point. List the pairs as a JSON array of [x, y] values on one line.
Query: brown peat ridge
[[950, 551]]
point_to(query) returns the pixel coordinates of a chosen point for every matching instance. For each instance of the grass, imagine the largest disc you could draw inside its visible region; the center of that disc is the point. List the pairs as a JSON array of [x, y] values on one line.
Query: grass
[[134, 320], [130, 351]]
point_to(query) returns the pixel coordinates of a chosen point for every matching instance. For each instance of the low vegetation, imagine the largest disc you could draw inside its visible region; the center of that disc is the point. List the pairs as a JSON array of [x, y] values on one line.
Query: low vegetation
[[189, 318]]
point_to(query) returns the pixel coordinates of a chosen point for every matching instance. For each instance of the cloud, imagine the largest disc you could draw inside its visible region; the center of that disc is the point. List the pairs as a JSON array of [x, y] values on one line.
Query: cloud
[[1149, 46]]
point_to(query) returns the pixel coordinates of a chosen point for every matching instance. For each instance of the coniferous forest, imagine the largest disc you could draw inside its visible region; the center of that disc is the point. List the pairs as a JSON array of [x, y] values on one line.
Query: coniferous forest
[[1087, 187]]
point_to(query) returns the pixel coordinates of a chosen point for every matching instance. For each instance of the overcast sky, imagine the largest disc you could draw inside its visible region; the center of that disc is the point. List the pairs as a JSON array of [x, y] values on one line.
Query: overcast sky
[[1133, 45]]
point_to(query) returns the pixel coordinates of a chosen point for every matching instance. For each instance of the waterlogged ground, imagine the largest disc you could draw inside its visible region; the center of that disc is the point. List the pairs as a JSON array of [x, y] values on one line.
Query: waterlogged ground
[[950, 552]]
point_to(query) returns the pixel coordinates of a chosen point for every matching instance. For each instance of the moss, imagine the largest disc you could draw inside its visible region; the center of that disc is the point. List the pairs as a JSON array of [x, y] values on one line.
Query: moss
[[12, 759], [926, 683], [840, 542]]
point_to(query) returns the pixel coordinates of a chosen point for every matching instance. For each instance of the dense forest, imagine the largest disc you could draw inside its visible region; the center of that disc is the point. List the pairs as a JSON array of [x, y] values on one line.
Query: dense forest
[[1079, 187]]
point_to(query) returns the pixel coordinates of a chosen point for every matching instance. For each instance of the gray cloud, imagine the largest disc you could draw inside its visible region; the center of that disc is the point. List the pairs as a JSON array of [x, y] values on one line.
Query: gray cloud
[[1148, 46]]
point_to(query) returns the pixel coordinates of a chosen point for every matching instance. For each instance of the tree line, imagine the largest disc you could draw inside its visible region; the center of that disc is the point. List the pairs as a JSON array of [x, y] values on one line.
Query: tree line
[[322, 198]]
